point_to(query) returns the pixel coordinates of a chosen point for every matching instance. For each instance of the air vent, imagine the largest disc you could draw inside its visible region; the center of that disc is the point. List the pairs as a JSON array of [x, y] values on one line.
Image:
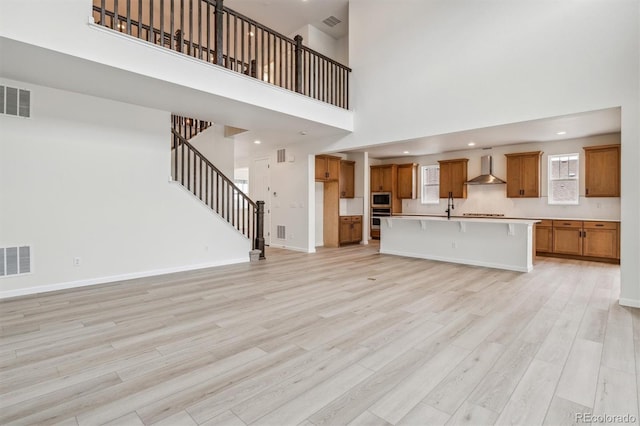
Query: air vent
[[14, 101], [331, 21], [15, 260], [282, 155], [281, 232]]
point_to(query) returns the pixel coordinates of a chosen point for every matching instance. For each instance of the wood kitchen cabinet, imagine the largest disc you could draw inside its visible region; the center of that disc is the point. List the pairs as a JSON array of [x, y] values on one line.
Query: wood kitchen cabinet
[[347, 178], [594, 240], [544, 236], [383, 178], [453, 175], [327, 168], [602, 171], [407, 181], [601, 239], [523, 174], [567, 237], [350, 229]]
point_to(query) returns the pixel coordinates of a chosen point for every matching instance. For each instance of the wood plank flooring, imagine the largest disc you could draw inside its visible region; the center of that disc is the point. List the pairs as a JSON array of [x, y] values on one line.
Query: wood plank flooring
[[341, 337]]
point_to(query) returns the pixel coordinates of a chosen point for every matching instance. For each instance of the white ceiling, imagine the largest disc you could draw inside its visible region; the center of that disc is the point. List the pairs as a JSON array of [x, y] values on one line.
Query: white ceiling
[[287, 16], [575, 125]]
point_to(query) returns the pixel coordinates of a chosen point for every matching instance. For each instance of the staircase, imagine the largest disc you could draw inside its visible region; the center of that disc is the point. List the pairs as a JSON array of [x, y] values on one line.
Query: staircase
[[200, 177]]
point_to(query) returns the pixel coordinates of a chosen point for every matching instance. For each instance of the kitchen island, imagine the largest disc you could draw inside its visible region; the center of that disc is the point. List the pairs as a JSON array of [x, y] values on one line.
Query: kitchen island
[[492, 242]]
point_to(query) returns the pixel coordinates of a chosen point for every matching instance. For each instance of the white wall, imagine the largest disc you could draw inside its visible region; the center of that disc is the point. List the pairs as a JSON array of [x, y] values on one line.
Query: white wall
[[89, 177], [443, 66], [216, 148], [318, 40], [493, 199]]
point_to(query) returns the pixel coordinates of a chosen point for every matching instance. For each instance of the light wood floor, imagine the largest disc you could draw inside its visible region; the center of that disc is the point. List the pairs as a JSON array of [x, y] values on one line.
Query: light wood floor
[[344, 336]]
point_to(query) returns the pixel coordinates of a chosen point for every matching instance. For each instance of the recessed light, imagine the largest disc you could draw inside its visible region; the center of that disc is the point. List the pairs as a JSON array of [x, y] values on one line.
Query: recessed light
[[405, 152], [562, 132], [471, 144], [303, 133], [257, 142]]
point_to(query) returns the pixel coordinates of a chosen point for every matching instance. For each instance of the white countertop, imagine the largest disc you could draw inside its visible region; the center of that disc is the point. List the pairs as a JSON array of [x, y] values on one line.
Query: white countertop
[[538, 218], [464, 219]]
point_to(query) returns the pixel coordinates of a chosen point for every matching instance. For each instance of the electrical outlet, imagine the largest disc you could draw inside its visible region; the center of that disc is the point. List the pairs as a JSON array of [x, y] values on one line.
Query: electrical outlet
[[77, 261]]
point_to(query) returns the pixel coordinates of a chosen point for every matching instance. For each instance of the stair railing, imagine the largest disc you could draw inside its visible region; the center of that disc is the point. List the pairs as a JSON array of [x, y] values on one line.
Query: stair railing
[[199, 176]]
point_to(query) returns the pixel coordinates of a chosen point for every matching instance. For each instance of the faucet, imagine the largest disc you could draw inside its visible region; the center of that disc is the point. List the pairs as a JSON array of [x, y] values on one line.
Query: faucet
[[449, 205]]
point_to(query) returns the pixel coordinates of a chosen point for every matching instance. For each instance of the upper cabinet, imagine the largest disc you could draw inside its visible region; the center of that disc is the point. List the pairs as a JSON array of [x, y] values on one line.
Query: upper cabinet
[[602, 171], [327, 167], [382, 178], [407, 181], [523, 174], [453, 175], [347, 178]]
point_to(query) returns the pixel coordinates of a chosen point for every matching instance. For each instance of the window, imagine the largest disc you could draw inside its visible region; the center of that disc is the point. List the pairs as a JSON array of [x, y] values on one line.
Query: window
[[430, 184], [563, 179]]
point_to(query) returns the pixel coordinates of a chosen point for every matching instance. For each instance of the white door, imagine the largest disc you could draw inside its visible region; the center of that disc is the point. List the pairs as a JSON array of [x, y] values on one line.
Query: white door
[[260, 191]]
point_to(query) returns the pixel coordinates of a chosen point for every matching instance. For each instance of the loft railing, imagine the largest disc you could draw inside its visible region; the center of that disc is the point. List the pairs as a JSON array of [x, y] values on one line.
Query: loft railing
[[197, 174], [210, 31]]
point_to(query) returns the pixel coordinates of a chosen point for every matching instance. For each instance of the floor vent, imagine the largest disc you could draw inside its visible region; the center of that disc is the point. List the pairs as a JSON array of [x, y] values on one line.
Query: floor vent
[[15, 260], [332, 21], [282, 155], [281, 232], [16, 102]]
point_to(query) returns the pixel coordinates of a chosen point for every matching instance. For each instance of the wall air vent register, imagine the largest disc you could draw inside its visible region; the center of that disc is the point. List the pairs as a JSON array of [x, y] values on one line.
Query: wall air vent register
[[15, 260], [15, 102]]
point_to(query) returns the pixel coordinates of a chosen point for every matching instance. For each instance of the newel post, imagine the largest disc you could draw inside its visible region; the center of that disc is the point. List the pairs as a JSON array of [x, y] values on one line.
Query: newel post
[[298, 62], [259, 243], [218, 12]]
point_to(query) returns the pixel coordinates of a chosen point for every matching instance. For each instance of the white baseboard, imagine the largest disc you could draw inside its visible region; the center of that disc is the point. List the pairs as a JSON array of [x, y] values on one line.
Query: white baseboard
[[632, 303], [300, 249], [113, 278]]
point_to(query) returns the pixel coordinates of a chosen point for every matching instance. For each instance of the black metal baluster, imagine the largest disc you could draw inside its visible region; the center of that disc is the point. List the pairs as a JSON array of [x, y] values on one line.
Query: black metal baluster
[[242, 38], [181, 29], [208, 32], [234, 59], [151, 35], [190, 52], [199, 29], [228, 51]]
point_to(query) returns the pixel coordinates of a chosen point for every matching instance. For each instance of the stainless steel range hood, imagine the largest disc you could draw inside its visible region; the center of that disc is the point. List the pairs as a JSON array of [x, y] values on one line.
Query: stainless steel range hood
[[487, 177]]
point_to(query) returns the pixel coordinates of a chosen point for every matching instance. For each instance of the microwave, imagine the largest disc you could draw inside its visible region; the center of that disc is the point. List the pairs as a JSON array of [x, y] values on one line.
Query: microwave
[[380, 199]]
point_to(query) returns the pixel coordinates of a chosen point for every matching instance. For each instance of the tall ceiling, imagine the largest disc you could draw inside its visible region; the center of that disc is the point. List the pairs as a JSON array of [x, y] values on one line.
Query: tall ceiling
[[287, 16]]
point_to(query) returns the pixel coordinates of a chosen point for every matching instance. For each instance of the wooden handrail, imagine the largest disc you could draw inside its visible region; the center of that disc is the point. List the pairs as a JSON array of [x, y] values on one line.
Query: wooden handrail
[[210, 164]]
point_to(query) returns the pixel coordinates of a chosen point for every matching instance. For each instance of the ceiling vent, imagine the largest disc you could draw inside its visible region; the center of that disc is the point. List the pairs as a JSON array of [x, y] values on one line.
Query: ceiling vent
[[331, 21], [282, 155]]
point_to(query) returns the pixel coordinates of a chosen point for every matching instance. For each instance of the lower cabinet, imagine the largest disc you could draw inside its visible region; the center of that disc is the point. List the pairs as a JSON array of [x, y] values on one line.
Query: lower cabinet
[[544, 236], [578, 239], [350, 229]]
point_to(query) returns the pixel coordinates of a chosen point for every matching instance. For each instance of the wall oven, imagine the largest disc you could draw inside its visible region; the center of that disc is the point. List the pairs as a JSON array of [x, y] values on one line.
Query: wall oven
[[376, 214], [380, 199]]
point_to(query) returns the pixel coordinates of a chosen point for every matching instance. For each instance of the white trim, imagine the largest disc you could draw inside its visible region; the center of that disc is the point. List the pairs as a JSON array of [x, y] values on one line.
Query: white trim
[[463, 262], [300, 249], [632, 303], [114, 278]]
